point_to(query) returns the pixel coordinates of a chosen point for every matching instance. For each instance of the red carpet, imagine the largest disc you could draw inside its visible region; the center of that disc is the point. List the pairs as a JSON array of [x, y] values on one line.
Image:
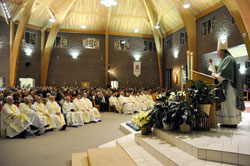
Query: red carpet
[[247, 109]]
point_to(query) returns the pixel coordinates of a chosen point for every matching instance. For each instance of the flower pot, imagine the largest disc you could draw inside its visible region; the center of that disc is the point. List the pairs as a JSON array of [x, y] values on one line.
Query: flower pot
[[205, 108], [185, 128], [145, 130], [168, 127]]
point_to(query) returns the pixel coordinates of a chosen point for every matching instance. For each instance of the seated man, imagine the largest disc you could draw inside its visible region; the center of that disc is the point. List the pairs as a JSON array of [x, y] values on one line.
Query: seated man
[[142, 102], [137, 104], [150, 99], [55, 109], [100, 100], [40, 108], [79, 105], [125, 105], [89, 107], [13, 123], [74, 117], [113, 101], [25, 108]]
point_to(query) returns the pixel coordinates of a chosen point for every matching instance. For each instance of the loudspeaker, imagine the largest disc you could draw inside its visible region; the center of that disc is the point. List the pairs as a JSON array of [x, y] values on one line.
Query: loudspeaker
[[27, 64]]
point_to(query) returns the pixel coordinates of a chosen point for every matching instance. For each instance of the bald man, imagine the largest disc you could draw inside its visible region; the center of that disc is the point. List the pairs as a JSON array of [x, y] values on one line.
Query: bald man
[[35, 119], [13, 123], [74, 117], [55, 109]]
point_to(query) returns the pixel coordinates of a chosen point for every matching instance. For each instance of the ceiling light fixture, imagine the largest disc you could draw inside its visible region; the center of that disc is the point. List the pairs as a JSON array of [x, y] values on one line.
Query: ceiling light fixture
[[52, 20], [136, 30], [6, 10], [108, 3], [186, 5], [157, 27], [83, 26]]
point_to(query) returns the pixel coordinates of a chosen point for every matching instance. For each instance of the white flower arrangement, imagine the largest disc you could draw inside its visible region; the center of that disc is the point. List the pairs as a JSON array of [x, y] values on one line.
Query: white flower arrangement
[[141, 118]]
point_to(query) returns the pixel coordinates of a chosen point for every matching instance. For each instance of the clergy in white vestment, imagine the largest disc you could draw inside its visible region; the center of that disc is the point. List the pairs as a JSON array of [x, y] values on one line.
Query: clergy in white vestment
[[150, 100], [74, 117], [113, 101], [126, 107], [143, 104], [55, 109], [89, 107], [40, 108], [137, 104], [144, 99], [79, 105], [35, 119], [13, 123]]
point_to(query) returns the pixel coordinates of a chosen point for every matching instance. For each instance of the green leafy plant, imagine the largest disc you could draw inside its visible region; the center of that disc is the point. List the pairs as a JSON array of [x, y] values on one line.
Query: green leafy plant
[[156, 115]]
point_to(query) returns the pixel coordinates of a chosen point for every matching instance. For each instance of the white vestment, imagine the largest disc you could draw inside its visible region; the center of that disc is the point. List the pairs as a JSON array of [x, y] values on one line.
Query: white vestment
[[94, 111], [79, 105], [137, 105], [126, 107], [143, 104], [55, 109], [34, 118], [73, 118], [12, 122], [44, 114], [113, 101], [150, 101], [229, 114]]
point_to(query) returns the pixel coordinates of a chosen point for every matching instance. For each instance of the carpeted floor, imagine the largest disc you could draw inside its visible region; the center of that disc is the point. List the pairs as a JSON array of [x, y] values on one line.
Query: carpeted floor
[[55, 148]]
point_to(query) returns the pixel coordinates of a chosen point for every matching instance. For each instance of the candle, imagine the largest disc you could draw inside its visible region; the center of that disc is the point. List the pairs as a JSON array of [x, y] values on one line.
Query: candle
[[188, 72], [181, 75], [191, 66]]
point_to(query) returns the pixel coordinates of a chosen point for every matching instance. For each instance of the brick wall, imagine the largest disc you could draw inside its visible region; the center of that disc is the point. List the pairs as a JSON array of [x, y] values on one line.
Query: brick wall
[[4, 50]]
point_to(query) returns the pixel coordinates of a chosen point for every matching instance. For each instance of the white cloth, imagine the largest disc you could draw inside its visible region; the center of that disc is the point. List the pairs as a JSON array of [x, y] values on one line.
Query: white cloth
[[137, 105], [34, 118], [44, 114], [113, 101], [55, 109], [126, 107], [89, 107], [229, 114], [12, 121], [73, 118], [80, 106], [143, 104]]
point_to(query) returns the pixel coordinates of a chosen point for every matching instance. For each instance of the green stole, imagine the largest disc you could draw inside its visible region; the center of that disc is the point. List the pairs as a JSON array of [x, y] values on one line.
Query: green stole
[[228, 69]]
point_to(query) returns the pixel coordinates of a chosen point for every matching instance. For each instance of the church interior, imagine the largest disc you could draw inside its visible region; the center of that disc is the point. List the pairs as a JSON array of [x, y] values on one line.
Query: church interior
[[124, 82]]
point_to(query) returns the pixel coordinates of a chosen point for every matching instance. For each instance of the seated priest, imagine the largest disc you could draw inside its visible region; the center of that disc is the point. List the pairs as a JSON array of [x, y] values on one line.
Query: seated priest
[[137, 104], [126, 106], [55, 109], [74, 118], [144, 99], [42, 111], [13, 123], [150, 99], [35, 119], [89, 107], [100, 100], [79, 105], [113, 101], [143, 104]]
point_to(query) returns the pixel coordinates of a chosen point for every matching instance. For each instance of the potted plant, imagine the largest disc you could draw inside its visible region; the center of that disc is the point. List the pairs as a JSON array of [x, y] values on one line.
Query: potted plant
[[201, 95], [156, 115], [141, 120]]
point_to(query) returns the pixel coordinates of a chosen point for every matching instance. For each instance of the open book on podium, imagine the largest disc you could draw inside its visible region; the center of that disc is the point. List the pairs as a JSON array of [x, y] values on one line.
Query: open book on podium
[[210, 81]]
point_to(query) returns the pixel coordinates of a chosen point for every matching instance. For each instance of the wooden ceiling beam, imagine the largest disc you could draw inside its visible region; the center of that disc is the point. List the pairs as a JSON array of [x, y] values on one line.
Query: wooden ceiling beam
[[14, 2], [190, 24], [244, 8], [14, 53], [45, 59], [4, 13], [19, 11], [209, 10], [157, 38], [233, 9]]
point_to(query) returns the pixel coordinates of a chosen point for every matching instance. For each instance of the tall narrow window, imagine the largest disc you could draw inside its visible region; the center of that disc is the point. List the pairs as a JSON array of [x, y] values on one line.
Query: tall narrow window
[[61, 41], [121, 45], [208, 26], [169, 44], [29, 38], [183, 38]]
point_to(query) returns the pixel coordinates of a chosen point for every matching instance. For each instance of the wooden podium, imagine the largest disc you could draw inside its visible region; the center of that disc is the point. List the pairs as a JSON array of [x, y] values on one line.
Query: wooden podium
[[210, 81]]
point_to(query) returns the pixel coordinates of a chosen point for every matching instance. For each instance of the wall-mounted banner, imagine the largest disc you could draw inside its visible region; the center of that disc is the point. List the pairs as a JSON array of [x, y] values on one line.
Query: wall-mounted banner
[[137, 68]]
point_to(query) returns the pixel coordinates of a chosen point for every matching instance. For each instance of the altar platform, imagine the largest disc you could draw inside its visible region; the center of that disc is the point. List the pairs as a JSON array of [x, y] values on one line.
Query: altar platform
[[217, 147]]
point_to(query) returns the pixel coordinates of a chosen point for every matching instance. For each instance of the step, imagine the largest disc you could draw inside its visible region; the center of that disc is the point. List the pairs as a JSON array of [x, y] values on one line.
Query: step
[[136, 152], [219, 145], [111, 156], [79, 159], [128, 130], [169, 154]]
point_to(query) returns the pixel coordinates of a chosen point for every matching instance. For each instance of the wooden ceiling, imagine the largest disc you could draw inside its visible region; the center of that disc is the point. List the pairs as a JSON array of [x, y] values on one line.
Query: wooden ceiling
[[125, 17]]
